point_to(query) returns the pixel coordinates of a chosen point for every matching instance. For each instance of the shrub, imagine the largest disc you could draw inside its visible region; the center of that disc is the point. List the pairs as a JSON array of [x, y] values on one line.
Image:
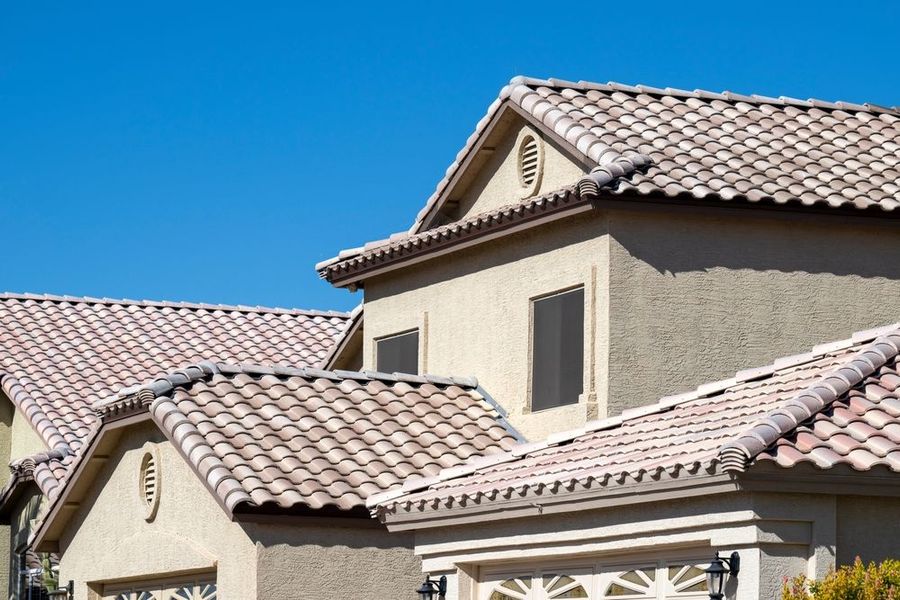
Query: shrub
[[857, 582]]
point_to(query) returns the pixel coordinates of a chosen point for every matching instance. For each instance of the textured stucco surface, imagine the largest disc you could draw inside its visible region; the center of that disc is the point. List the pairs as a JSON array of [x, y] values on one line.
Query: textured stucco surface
[[680, 296], [776, 535], [497, 184], [473, 312], [25, 440], [697, 295], [868, 527], [335, 562], [110, 540]]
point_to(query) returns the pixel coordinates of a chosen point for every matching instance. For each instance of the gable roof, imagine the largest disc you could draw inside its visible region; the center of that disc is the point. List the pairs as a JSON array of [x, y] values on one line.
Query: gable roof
[[285, 439], [711, 145], [835, 407], [60, 354], [673, 145]]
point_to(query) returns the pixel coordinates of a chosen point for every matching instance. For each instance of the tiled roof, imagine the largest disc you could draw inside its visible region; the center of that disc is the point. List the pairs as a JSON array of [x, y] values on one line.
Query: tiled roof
[[677, 144], [405, 246], [281, 438], [60, 354], [838, 405], [715, 145]]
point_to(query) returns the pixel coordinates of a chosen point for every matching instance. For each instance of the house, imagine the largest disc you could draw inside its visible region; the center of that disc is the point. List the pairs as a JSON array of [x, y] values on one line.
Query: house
[[794, 466], [587, 233], [593, 248], [59, 355], [249, 481]]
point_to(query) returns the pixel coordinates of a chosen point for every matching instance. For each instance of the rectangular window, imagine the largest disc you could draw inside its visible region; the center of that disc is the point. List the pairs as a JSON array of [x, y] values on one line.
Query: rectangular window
[[398, 353], [557, 357]]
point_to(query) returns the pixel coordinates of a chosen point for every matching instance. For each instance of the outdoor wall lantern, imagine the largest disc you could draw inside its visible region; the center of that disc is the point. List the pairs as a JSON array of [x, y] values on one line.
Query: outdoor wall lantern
[[715, 574], [432, 589]]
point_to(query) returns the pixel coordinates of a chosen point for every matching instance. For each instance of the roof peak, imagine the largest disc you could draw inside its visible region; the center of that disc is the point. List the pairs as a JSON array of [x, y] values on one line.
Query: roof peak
[[726, 95], [59, 299], [134, 398]]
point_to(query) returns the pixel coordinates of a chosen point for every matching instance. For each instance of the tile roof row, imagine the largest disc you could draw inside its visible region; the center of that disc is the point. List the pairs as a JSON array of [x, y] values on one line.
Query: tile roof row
[[678, 144], [60, 354], [284, 438], [359, 261], [713, 145], [837, 406]]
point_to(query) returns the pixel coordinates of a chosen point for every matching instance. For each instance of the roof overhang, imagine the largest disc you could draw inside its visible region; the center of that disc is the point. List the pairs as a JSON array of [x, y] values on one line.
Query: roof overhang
[[764, 477], [80, 479]]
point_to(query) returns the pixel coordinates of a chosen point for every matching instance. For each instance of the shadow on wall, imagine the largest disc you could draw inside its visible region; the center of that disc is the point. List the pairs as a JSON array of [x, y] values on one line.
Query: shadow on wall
[[691, 239], [352, 534]]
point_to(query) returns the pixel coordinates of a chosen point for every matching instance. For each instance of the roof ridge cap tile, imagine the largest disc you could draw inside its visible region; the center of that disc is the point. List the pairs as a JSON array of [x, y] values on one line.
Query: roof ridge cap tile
[[702, 391], [57, 298], [452, 230], [708, 94], [736, 454]]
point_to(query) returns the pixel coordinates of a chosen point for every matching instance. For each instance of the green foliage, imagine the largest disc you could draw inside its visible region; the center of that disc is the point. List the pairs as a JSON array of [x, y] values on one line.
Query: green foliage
[[50, 578], [857, 582]]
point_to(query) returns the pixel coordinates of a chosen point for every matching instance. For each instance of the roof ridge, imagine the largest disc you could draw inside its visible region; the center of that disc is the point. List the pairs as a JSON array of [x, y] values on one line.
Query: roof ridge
[[736, 455], [705, 390], [138, 397], [171, 304], [400, 243], [725, 95]]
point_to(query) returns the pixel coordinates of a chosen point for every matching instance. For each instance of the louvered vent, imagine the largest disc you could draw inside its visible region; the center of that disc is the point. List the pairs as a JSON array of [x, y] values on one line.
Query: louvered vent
[[529, 161], [148, 484], [148, 480]]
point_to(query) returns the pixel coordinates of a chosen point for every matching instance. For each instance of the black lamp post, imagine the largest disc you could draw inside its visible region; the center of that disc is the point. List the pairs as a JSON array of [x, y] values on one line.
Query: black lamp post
[[715, 574], [432, 589]]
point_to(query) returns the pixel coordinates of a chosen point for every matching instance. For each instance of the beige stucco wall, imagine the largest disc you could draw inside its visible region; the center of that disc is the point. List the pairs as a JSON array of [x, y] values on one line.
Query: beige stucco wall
[[335, 562], [867, 527], [696, 295], [495, 182], [109, 539], [25, 440], [472, 309], [681, 297], [775, 534]]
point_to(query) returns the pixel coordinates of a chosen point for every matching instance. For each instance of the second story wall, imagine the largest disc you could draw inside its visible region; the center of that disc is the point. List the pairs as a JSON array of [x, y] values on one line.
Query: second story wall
[[674, 297], [697, 294], [473, 313]]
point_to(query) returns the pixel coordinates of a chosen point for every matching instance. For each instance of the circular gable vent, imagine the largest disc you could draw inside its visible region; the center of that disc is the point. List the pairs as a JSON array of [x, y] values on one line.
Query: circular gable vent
[[148, 481], [530, 159]]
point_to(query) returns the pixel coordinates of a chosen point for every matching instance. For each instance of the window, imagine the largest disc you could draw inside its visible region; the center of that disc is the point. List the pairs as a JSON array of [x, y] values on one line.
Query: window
[[557, 355], [398, 353]]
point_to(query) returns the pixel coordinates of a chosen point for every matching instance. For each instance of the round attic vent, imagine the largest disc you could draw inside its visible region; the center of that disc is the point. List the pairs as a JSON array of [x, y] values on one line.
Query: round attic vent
[[530, 159], [148, 481]]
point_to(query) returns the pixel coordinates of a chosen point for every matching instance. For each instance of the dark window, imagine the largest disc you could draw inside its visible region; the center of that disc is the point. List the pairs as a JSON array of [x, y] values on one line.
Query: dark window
[[398, 353], [558, 350]]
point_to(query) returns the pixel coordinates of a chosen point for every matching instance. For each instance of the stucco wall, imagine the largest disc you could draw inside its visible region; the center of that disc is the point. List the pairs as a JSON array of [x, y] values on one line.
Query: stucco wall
[[696, 295], [867, 527], [109, 539], [25, 440], [775, 534], [335, 562], [473, 312], [496, 182]]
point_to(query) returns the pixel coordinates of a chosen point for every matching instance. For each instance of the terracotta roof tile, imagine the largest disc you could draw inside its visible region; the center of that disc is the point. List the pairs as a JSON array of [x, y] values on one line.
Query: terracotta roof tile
[[677, 144], [60, 354], [811, 408], [288, 438]]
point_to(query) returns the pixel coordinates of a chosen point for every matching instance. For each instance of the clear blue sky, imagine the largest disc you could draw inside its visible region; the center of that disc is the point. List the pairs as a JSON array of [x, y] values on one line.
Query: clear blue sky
[[214, 151]]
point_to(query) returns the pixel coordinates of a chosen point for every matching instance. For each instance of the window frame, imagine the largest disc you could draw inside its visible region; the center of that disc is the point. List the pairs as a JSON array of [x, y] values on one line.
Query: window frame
[[416, 330], [532, 302]]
